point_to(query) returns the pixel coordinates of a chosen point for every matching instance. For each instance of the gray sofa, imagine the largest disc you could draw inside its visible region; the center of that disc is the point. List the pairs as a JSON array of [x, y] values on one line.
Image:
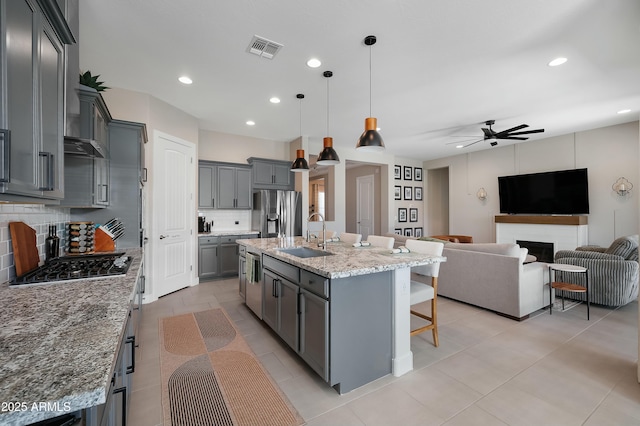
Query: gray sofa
[[495, 277], [612, 271]]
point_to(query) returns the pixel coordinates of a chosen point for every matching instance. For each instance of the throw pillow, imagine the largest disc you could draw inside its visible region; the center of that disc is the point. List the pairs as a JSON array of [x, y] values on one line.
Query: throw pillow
[[623, 246], [436, 240]]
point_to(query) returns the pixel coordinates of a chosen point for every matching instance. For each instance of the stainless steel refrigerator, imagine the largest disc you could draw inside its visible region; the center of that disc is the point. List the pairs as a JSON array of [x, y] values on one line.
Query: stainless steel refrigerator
[[277, 213]]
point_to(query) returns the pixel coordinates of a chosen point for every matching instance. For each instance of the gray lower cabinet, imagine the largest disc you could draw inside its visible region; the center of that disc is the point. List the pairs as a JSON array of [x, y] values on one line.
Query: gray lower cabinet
[[342, 328], [31, 101], [228, 255], [115, 410], [314, 336], [219, 256], [280, 306], [208, 257]]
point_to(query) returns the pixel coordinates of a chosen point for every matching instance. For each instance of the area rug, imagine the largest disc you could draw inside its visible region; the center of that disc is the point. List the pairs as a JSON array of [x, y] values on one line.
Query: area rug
[[210, 376]]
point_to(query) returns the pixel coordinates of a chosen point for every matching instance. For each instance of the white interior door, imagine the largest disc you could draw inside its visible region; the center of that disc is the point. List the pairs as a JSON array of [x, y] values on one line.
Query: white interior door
[[173, 214], [364, 205]]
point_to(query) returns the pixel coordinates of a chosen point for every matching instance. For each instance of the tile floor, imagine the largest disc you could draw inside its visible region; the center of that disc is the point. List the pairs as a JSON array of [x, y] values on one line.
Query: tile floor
[[488, 370]]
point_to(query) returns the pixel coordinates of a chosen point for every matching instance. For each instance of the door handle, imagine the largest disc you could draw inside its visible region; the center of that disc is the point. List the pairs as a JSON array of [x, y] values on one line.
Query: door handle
[[162, 237], [5, 155], [48, 175]]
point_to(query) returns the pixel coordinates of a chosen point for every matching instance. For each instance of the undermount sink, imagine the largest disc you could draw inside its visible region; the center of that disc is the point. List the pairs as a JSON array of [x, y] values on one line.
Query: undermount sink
[[305, 252]]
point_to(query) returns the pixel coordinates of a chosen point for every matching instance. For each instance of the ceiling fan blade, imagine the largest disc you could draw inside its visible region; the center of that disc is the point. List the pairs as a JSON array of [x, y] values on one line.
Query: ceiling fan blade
[[514, 138], [513, 129], [526, 132], [459, 142], [473, 143]]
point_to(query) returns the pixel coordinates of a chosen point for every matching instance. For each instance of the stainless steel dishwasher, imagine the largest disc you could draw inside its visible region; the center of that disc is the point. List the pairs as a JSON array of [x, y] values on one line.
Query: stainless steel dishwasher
[[253, 290]]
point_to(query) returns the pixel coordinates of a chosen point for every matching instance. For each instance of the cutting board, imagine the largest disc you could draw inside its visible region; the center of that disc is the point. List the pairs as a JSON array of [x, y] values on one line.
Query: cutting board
[[25, 250]]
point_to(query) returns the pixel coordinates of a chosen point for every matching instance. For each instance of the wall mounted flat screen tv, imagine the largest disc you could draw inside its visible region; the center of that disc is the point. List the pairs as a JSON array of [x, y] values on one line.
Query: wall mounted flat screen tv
[[559, 192]]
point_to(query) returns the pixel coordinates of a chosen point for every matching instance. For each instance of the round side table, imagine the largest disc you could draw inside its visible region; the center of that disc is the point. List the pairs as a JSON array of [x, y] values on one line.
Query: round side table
[[558, 285]]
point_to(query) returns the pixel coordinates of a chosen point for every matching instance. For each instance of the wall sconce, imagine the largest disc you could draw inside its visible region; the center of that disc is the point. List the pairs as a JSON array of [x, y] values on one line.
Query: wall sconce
[[481, 194], [622, 186]]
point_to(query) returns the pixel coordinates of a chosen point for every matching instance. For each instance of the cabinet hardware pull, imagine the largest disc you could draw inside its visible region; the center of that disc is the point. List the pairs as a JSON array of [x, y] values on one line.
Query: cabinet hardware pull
[[144, 174], [123, 391], [131, 368], [48, 175], [5, 155], [213, 202]]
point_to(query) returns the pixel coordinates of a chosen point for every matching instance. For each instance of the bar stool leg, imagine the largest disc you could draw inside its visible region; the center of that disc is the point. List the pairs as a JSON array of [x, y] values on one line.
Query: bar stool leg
[[550, 291], [586, 276]]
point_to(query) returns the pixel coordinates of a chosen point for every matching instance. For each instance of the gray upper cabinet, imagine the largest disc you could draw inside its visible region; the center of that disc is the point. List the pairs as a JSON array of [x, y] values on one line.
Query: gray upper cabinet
[[224, 185], [207, 175], [234, 187], [32, 100], [87, 179], [271, 174]]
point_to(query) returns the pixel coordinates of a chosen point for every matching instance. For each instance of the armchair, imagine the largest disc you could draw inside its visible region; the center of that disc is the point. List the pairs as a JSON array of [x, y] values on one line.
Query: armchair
[[613, 271]]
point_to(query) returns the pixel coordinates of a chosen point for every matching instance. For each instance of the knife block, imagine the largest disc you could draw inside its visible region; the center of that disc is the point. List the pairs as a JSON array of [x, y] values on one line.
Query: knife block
[[103, 242]]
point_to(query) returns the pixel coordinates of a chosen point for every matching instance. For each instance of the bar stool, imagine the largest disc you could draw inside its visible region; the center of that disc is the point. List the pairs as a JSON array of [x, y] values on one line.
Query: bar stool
[[563, 286]]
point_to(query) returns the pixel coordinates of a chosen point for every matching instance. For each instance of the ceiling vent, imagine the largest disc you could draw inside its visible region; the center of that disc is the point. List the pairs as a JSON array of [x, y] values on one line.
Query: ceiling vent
[[262, 47]]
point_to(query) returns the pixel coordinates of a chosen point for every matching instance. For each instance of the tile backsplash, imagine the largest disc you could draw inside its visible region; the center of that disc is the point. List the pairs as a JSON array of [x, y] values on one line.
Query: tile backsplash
[[225, 220], [37, 216]]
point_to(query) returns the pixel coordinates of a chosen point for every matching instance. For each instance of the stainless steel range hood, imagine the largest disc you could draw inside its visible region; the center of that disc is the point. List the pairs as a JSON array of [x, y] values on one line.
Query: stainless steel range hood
[[83, 147]]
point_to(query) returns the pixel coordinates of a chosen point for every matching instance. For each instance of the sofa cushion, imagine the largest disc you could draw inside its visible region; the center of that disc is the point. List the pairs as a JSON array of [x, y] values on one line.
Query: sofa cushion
[[627, 247], [509, 249]]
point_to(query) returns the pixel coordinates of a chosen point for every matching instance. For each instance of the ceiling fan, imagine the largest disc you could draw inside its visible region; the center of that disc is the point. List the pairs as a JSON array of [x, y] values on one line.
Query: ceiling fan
[[493, 136]]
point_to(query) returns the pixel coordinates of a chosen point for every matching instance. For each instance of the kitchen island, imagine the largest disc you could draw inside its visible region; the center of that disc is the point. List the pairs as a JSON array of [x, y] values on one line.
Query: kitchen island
[[345, 312], [59, 343]]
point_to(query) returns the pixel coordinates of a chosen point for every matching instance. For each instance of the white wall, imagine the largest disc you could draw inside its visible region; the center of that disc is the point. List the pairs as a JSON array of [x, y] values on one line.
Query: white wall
[[162, 117], [608, 153], [216, 146]]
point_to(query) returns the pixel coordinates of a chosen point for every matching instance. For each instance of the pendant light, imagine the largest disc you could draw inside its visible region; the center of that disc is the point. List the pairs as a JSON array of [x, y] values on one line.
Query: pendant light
[[370, 140], [328, 156], [300, 164]]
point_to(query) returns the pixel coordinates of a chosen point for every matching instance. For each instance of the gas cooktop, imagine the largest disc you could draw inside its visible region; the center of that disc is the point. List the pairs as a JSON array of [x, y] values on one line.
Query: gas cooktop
[[70, 268]]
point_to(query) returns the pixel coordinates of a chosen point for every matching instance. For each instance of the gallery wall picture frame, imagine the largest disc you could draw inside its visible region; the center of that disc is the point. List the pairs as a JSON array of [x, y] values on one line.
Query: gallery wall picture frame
[[417, 232], [402, 214], [407, 173], [417, 193], [397, 192], [397, 172], [417, 173], [408, 232], [413, 214], [397, 231], [408, 194]]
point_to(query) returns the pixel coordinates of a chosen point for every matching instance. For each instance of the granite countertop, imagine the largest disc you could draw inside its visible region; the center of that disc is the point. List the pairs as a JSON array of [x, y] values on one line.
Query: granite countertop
[[58, 343], [224, 233], [345, 261]]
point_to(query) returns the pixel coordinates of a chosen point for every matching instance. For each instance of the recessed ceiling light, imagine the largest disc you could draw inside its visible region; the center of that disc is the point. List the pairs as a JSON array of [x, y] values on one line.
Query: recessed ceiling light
[[314, 63], [251, 123], [557, 61], [459, 146], [185, 80], [274, 100], [624, 111]]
